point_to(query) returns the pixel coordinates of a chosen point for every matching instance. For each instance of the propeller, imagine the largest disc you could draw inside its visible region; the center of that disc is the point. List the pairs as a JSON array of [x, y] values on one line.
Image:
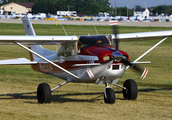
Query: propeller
[[118, 57]]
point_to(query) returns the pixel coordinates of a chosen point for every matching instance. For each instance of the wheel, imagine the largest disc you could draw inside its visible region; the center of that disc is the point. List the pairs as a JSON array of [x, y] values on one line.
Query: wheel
[[110, 96], [130, 92], [44, 93]]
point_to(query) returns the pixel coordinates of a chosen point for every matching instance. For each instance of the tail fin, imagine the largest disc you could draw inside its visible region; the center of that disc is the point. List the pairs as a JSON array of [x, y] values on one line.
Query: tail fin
[[28, 28]]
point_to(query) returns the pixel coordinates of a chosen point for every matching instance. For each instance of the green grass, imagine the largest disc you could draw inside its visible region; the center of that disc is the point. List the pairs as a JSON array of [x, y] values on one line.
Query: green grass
[[18, 84]]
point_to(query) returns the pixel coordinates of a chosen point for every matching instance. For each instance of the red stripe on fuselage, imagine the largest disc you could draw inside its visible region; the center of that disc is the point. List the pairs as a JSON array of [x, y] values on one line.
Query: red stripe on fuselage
[[90, 73]]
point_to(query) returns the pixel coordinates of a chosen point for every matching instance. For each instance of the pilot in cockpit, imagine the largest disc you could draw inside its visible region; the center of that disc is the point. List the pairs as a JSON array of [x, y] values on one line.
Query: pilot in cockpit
[[79, 47], [98, 43]]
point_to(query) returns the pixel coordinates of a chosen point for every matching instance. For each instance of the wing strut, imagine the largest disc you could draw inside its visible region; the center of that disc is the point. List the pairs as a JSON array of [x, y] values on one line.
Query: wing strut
[[150, 49], [135, 61], [46, 60]]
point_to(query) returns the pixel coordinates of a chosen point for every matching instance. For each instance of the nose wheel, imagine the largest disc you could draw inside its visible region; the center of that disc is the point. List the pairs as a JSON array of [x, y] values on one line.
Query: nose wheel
[[109, 95]]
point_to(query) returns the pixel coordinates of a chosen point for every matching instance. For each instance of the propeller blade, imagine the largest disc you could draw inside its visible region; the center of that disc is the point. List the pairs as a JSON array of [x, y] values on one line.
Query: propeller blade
[[135, 67], [117, 56], [115, 30]]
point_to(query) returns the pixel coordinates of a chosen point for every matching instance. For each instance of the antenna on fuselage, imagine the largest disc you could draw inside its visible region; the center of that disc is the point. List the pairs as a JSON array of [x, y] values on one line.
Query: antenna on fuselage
[[96, 30], [64, 30]]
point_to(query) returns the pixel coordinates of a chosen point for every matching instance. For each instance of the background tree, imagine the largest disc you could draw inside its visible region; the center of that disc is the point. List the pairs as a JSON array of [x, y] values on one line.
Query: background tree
[[162, 9], [85, 7], [159, 9], [123, 11]]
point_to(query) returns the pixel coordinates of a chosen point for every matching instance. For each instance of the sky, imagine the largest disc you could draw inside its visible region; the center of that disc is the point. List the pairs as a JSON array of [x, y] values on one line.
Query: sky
[[132, 3]]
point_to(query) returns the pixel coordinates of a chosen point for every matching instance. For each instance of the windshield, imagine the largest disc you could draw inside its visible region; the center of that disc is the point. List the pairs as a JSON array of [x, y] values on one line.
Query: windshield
[[96, 40]]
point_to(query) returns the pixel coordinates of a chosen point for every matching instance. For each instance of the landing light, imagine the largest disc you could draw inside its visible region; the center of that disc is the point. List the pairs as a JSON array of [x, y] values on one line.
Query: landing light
[[106, 58]]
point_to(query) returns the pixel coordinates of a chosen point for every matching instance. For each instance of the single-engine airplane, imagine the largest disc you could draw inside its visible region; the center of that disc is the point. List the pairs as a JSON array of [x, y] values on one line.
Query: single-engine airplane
[[81, 59]]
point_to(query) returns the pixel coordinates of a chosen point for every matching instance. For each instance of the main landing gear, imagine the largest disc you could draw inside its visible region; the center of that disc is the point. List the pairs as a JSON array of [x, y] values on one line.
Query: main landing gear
[[129, 91], [44, 92]]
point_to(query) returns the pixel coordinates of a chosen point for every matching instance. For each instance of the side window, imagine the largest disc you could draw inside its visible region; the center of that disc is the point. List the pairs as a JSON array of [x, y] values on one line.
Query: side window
[[67, 51], [62, 52], [79, 47]]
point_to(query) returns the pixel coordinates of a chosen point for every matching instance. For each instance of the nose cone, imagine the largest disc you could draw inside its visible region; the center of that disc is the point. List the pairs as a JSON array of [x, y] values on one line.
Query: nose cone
[[117, 56]]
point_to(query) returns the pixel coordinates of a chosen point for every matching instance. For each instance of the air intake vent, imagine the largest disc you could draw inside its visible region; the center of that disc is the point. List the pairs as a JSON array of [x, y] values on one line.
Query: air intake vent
[[115, 67]]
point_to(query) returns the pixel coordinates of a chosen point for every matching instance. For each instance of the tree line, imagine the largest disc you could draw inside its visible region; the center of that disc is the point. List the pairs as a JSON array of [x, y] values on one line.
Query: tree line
[[81, 6], [87, 7]]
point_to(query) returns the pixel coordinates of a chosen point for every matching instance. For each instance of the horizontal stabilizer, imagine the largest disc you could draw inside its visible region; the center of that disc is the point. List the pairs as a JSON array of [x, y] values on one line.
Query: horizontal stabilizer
[[18, 61]]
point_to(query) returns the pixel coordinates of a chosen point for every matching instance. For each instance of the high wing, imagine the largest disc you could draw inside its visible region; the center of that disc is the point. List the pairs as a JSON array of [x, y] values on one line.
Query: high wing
[[18, 61], [36, 40], [143, 35], [49, 40]]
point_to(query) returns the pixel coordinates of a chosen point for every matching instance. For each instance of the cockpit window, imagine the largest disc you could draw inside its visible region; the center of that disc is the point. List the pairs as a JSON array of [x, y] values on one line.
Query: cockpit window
[[97, 40], [67, 50]]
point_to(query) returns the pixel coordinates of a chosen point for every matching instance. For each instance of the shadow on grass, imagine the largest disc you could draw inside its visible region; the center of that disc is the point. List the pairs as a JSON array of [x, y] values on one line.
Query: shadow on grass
[[73, 97], [60, 98], [65, 97], [69, 97], [153, 89], [29, 95]]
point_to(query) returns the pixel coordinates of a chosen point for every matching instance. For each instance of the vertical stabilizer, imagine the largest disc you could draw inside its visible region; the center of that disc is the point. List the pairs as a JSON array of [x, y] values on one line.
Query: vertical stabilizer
[[28, 28]]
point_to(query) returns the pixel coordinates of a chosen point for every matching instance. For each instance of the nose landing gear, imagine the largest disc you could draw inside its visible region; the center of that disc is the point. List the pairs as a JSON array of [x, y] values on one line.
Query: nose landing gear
[[109, 94]]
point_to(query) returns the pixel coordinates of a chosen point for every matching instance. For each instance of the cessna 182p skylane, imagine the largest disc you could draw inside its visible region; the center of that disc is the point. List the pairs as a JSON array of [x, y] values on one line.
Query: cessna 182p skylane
[[80, 59]]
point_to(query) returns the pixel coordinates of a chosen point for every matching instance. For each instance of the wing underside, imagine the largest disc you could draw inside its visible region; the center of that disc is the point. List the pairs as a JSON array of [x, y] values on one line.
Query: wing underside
[[51, 40], [36, 40], [143, 35], [18, 61]]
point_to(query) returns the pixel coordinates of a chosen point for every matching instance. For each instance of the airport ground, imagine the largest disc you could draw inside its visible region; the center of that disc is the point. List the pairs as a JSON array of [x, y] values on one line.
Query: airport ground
[[103, 23]]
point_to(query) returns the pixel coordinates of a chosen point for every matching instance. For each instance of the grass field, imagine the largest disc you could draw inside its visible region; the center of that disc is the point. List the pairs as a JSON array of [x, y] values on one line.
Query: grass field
[[18, 84]]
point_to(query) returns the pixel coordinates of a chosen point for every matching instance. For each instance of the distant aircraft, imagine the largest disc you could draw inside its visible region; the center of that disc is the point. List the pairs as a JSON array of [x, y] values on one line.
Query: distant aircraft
[[81, 59]]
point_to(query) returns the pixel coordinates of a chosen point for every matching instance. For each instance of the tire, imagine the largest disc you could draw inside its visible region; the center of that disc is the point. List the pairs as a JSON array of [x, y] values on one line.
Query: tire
[[131, 90], [44, 93], [110, 96]]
